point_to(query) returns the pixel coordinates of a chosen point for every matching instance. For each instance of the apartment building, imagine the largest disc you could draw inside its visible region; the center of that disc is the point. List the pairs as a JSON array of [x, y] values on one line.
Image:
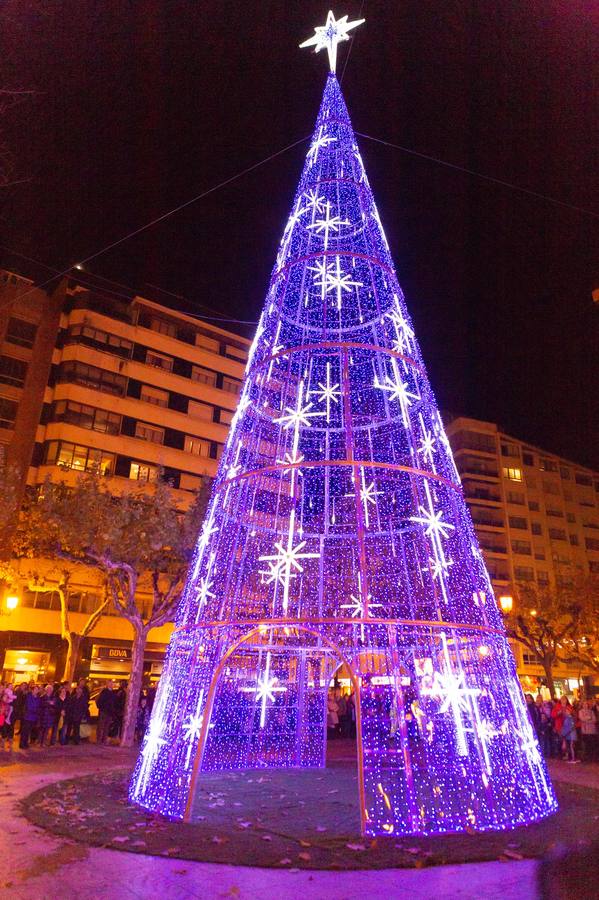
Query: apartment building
[[536, 516], [126, 387]]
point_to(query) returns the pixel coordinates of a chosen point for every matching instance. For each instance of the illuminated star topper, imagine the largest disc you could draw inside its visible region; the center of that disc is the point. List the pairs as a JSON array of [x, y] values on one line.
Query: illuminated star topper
[[330, 34]]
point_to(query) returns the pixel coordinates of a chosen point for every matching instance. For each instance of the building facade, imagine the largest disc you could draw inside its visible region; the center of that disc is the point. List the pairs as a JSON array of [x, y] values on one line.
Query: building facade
[[129, 387], [125, 387], [536, 516]]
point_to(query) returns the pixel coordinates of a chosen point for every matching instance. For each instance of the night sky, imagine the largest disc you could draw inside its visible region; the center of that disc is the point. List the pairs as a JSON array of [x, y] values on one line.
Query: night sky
[[139, 106]]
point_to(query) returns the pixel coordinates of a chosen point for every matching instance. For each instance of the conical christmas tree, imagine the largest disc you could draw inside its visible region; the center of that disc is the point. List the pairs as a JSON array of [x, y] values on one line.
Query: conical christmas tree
[[338, 534]]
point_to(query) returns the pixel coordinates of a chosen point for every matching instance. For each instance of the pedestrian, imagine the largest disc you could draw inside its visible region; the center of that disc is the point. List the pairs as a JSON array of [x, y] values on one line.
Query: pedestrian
[[61, 725], [48, 720], [588, 728], [76, 710], [143, 717], [533, 714], [332, 715], [7, 700], [82, 683], [545, 728], [106, 703], [342, 713], [19, 705], [31, 715], [120, 696], [569, 736], [351, 715], [560, 708]]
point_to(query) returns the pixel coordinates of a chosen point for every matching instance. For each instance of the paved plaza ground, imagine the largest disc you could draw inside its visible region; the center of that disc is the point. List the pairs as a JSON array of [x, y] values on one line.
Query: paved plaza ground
[[37, 864]]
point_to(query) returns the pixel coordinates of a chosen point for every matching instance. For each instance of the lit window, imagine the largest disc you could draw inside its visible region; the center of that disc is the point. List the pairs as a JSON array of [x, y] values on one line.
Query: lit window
[[197, 446], [143, 472], [512, 473], [82, 459]]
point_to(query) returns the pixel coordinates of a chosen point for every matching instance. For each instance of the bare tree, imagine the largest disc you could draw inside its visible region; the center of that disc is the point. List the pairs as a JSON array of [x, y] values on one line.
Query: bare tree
[[135, 540], [72, 636], [543, 619]]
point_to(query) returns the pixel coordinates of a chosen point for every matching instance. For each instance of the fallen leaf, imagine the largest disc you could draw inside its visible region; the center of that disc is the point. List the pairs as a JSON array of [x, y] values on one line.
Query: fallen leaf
[[266, 837], [305, 856], [511, 854], [121, 839], [284, 862], [355, 846]]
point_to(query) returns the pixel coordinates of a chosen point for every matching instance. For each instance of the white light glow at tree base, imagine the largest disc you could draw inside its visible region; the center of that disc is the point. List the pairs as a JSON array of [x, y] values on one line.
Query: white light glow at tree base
[[338, 532]]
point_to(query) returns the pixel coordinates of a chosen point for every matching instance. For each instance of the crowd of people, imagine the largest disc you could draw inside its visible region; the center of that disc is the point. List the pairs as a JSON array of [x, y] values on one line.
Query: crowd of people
[[36, 714], [566, 729], [33, 714], [341, 714]]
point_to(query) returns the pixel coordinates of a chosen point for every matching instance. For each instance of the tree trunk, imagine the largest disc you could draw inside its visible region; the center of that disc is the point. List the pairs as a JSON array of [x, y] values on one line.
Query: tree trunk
[[548, 667], [134, 689], [73, 650]]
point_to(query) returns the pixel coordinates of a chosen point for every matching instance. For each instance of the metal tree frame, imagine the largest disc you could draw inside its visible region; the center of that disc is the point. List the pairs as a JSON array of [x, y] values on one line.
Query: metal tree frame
[[338, 526]]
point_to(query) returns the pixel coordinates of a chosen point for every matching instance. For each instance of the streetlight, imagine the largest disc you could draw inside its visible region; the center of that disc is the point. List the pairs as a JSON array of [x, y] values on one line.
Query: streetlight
[[12, 601], [506, 603]]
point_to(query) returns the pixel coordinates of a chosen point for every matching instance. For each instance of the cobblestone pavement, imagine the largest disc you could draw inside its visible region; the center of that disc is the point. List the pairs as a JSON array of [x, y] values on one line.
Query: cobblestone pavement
[[35, 865]]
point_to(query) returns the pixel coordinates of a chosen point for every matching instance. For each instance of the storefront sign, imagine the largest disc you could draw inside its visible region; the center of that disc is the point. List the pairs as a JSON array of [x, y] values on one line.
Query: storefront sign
[[111, 652]]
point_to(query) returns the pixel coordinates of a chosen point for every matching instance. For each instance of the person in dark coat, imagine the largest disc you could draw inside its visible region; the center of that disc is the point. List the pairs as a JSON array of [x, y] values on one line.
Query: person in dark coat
[[82, 683], [31, 715], [120, 696], [107, 706], [61, 724], [19, 706], [143, 717], [534, 715], [49, 712], [76, 710]]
